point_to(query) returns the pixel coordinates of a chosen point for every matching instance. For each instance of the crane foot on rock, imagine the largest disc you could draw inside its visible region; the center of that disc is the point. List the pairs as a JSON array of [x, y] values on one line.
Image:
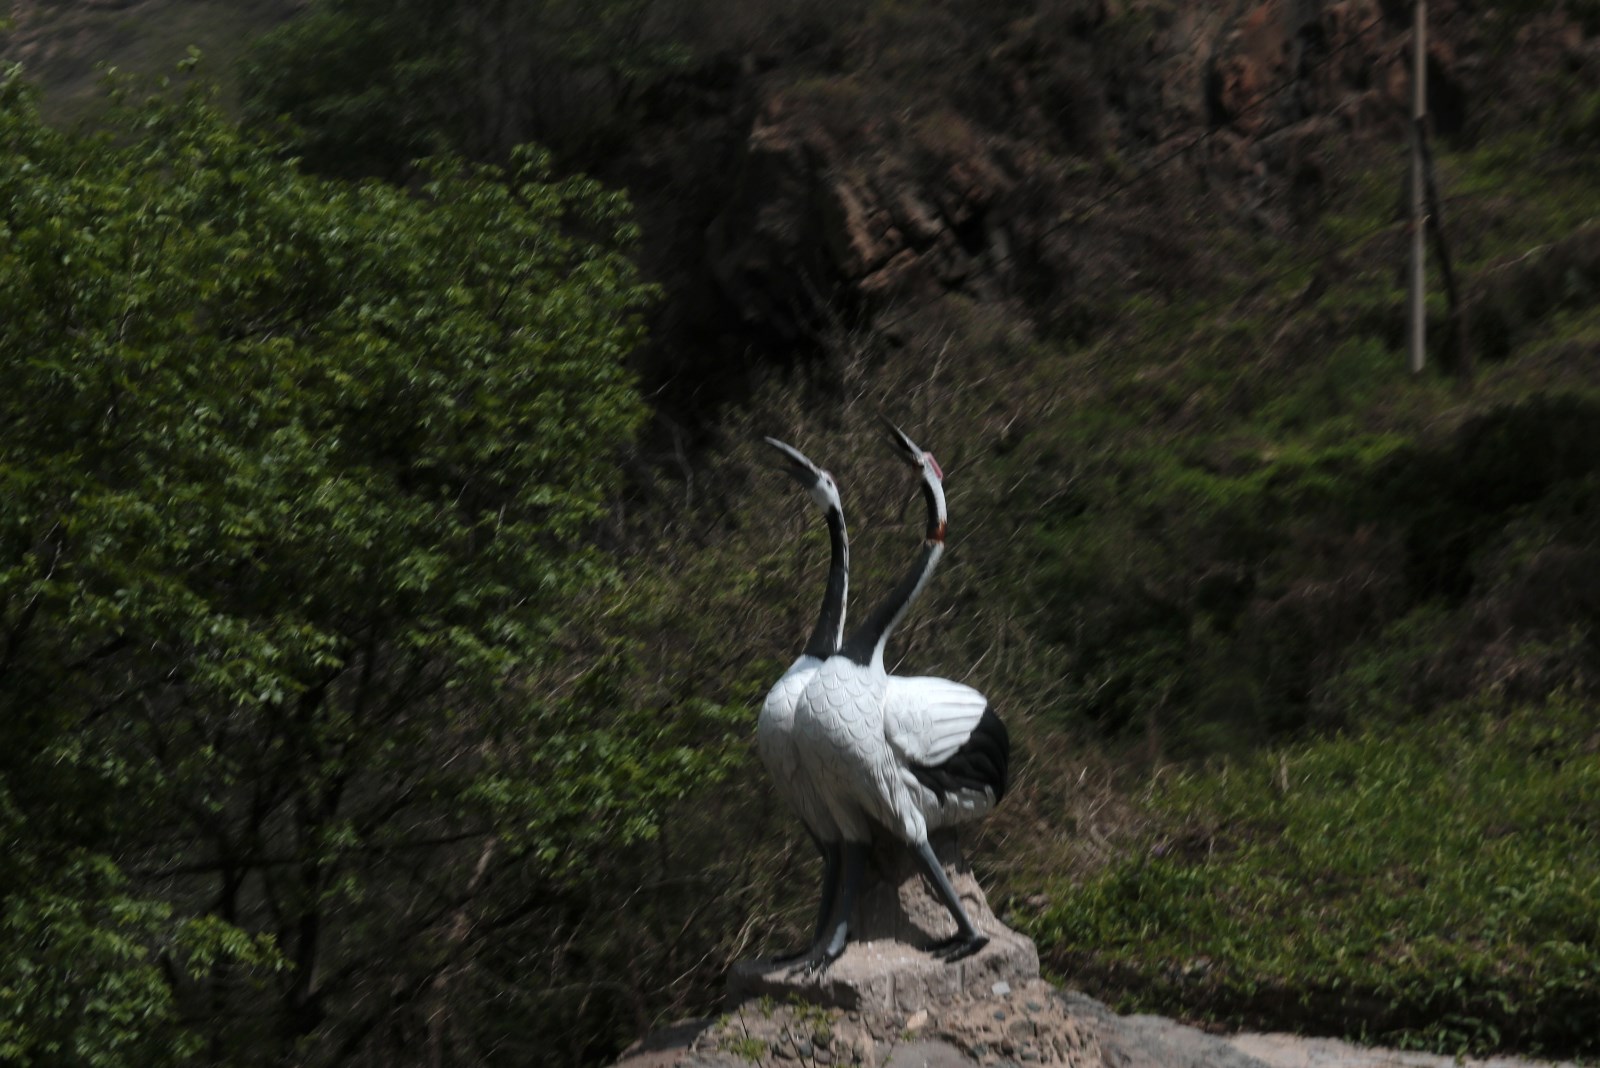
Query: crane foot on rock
[[957, 947], [814, 963]]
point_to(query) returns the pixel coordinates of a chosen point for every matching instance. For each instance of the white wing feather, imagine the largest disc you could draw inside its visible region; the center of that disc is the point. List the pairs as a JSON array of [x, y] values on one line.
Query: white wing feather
[[927, 719]]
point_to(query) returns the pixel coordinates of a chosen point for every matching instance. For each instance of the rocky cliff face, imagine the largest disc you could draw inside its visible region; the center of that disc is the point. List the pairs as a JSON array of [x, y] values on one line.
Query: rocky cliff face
[[835, 200], [1060, 157], [899, 214]]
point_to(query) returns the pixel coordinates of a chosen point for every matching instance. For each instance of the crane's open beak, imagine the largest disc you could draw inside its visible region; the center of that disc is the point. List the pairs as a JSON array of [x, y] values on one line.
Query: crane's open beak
[[909, 451], [903, 445], [801, 469]]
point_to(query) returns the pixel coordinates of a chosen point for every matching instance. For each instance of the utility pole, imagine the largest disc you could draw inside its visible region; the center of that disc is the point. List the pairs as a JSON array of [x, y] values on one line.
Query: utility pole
[[1419, 206]]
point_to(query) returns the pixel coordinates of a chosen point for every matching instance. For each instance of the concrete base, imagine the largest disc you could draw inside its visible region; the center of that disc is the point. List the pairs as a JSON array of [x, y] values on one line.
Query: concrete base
[[882, 970]]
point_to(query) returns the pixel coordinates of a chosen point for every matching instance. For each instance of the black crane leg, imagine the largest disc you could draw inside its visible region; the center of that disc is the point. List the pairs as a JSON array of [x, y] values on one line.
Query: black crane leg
[[830, 891], [968, 939], [855, 868]]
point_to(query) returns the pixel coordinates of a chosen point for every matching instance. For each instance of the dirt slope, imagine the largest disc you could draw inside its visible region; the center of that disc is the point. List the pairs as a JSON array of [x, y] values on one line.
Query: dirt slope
[[63, 44]]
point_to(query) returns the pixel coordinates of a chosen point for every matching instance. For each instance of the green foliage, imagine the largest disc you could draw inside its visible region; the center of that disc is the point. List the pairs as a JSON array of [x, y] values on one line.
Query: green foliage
[[1436, 881], [749, 1048], [229, 374], [1243, 588], [369, 86], [80, 980], [88, 961], [297, 483]]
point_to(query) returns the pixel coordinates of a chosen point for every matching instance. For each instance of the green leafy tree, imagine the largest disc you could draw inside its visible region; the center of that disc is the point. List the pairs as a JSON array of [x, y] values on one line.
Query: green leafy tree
[[297, 486]]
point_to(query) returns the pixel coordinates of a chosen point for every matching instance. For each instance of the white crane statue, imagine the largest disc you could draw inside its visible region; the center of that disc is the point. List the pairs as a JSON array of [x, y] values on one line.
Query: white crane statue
[[775, 737], [892, 754]]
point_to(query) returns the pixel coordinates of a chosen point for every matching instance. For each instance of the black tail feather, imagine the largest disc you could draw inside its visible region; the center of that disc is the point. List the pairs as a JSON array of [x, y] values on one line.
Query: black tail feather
[[982, 763]]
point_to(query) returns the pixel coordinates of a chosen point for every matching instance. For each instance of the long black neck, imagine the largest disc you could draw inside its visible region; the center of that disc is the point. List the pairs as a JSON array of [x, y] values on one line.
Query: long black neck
[[865, 646], [825, 636]]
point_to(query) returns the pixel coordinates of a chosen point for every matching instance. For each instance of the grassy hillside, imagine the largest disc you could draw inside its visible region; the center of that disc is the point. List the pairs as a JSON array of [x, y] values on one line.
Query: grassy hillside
[[1431, 883]]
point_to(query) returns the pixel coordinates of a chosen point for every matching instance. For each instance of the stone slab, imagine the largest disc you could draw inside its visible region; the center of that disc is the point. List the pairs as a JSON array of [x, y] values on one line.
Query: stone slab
[[1032, 1025], [1027, 1026], [1298, 1051], [881, 969], [933, 1054], [885, 975]]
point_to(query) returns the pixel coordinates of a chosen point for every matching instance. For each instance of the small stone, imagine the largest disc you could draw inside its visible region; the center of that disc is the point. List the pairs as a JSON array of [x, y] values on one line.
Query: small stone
[[1034, 1006], [803, 1048], [1001, 989], [917, 1020], [998, 1015]]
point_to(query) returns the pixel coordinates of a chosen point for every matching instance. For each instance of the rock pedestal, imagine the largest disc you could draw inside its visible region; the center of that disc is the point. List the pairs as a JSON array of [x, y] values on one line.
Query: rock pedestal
[[884, 968]]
